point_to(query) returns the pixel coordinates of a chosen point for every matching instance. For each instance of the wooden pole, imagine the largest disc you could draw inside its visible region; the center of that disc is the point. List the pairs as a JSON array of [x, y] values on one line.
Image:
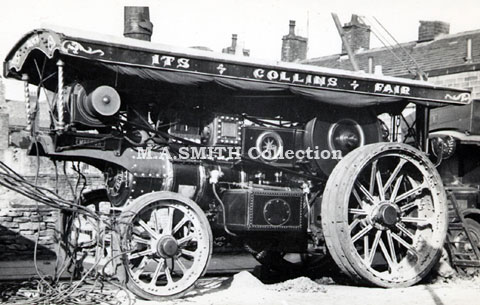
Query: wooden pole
[[345, 42]]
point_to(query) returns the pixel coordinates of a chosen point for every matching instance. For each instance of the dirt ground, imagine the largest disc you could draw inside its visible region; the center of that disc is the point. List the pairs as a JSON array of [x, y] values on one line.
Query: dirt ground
[[245, 289]]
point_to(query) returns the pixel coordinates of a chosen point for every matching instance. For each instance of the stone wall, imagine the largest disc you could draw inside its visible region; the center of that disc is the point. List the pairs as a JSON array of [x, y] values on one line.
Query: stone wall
[[22, 220]]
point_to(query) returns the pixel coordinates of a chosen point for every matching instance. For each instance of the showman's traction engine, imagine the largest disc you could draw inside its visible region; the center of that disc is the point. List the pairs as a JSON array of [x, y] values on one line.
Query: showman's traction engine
[[201, 149]]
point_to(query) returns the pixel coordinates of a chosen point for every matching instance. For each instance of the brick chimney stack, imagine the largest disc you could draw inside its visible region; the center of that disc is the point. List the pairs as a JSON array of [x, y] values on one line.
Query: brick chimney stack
[[357, 34], [429, 30], [232, 49], [294, 48], [137, 23]]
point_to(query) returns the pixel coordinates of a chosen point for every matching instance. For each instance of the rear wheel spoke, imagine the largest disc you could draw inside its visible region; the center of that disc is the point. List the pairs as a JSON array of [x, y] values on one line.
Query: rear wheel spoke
[[373, 173], [365, 192], [365, 247], [412, 192], [415, 220], [405, 244], [354, 223], [381, 191], [404, 230], [386, 255], [394, 174], [396, 187], [378, 235], [357, 211], [391, 246], [361, 233]]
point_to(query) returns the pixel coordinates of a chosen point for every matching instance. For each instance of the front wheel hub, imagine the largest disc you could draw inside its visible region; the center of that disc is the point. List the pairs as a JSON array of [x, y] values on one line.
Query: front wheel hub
[[167, 246]]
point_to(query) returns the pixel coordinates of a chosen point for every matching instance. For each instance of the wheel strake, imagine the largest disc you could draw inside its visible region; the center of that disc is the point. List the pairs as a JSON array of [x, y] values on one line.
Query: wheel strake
[[384, 215]]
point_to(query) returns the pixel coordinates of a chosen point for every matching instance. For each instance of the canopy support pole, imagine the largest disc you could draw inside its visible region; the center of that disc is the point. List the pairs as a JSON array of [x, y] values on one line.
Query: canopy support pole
[[28, 110], [60, 99], [422, 114]]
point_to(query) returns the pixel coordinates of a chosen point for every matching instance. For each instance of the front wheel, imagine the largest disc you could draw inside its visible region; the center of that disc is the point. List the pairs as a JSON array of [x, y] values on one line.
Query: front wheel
[[167, 244], [384, 215]]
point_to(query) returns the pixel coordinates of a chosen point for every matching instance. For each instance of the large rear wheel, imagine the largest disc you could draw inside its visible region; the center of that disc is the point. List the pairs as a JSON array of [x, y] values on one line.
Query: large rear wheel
[[384, 215]]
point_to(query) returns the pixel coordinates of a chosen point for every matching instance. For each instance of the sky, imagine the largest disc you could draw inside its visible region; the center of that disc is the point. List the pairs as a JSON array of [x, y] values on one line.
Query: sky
[[260, 24]]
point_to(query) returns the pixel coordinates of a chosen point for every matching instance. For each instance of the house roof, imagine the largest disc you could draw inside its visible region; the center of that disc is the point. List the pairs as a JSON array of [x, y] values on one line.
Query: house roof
[[444, 55]]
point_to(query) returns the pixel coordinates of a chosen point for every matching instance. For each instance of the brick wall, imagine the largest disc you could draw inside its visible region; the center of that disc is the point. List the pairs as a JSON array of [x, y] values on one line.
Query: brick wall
[[467, 80]]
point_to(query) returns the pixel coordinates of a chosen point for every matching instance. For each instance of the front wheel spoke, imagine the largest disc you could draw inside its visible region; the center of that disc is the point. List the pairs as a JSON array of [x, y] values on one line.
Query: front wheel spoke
[[391, 246], [361, 233], [181, 265], [394, 174], [168, 226], [365, 192], [181, 223], [140, 254], [140, 240], [157, 272], [147, 228], [168, 274], [378, 235], [185, 239], [140, 267], [405, 244], [188, 252]]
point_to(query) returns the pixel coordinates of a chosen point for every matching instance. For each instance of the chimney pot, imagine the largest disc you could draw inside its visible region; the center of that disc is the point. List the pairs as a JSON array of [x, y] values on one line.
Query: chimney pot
[[291, 25], [234, 41]]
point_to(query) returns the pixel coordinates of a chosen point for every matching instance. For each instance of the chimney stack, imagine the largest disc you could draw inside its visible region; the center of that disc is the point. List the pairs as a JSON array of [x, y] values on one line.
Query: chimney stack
[[234, 48], [137, 23], [357, 34], [429, 30], [294, 48]]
